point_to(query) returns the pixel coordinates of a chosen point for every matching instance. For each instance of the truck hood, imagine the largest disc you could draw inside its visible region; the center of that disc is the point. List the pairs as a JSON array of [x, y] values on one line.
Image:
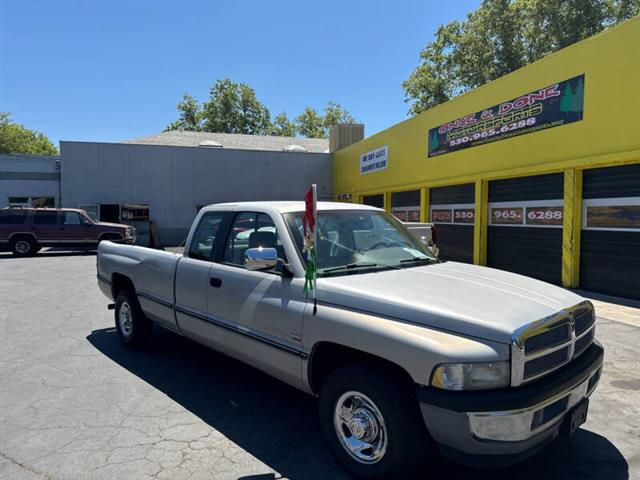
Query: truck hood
[[467, 299]]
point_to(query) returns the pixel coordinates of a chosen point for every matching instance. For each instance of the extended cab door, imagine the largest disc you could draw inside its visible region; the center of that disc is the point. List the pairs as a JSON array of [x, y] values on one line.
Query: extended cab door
[[192, 282], [259, 313]]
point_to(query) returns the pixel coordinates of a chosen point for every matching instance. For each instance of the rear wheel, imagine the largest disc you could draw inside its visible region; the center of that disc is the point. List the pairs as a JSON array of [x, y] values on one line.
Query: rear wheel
[[24, 246], [373, 423], [133, 326]]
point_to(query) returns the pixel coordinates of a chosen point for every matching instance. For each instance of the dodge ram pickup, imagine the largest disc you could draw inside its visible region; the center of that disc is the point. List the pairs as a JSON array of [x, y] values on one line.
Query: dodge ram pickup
[[404, 352]]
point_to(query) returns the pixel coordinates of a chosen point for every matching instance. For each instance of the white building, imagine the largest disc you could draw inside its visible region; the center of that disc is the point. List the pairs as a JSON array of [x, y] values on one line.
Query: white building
[[29, 180]]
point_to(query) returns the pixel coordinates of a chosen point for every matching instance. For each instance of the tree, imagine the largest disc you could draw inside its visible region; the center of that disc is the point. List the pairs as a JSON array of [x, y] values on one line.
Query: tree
[[310, 124], [234, 108], [190, 118], [500, 37], [334, 114], [282, 126], [15, 138]]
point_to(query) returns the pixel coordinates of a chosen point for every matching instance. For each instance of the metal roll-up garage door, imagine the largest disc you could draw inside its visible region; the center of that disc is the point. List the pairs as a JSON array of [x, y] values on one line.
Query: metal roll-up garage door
[[406, 205], [452, 210], [525, 226], [374, 200], [610, 237]]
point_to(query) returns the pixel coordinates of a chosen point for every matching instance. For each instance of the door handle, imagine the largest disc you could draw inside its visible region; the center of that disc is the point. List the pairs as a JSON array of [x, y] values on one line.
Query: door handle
[[215, 282]]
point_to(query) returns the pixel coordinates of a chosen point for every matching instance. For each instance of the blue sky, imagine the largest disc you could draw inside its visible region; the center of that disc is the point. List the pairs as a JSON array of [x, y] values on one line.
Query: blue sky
[[109, 71]]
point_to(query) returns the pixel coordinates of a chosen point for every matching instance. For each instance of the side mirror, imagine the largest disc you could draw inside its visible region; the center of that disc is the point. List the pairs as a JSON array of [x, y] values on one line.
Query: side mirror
[[260, 258]]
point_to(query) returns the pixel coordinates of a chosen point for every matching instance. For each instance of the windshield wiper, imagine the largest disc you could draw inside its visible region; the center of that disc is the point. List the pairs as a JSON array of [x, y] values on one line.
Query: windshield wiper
[[348, 267], [416, 260]]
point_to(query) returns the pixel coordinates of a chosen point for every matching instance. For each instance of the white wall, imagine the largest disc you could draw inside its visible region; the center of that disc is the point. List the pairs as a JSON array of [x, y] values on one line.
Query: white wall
[[28, 176]]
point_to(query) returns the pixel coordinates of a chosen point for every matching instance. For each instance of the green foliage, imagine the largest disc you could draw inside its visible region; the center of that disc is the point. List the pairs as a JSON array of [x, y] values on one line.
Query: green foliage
[[282, 126], [500, 37], [15, 138], [190, 117], [234, 108], [313, 125], [334, 114], [310, 124]]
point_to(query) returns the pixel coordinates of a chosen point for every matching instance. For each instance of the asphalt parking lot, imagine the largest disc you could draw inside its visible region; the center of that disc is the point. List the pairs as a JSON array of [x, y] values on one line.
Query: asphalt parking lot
[[74, 404]]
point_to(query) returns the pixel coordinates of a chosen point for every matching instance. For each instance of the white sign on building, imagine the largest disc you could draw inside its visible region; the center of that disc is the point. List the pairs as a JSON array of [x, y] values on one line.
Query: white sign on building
[[375, 160]]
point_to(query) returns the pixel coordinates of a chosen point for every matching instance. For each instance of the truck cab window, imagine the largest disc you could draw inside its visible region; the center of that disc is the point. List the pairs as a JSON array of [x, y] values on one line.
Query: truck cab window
[[205, 235], [251, 230]]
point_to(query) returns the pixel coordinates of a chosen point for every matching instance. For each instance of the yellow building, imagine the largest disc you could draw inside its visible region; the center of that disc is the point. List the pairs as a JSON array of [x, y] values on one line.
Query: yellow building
[[537, 172]]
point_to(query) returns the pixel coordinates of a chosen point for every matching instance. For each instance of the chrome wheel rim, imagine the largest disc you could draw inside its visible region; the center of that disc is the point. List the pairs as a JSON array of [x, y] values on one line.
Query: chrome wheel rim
[[22, 246], [125, 320], [360, 427]]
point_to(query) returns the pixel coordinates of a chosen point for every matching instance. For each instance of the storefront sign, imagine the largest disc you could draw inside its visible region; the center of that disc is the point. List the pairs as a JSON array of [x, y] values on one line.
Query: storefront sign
[[530, 213], [374, 161], [457, 213], [548, 107], [506, 215], [441, 215], [544, 216], [407, 214], [463, 215]]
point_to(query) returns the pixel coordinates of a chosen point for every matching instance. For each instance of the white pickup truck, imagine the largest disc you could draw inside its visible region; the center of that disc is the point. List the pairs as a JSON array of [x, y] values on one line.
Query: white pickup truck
[[404, 352]]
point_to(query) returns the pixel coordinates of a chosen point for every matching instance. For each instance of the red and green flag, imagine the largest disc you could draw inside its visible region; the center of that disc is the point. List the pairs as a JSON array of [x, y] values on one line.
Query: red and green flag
[[309, 231]]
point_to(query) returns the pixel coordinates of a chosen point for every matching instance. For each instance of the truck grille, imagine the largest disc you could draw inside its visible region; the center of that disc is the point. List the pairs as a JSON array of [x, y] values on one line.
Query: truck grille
[[546, 345]]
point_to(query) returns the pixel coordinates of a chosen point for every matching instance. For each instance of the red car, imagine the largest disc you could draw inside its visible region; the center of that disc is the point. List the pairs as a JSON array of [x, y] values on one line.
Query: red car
[[26, 230]]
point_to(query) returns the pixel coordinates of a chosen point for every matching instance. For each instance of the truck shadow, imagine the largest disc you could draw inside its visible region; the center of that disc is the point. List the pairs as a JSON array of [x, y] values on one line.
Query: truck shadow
[[278, 424], [48, 252]]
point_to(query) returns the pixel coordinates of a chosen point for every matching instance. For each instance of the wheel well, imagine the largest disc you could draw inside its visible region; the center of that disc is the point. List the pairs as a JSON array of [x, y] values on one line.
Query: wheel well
[[15, 236], [327, 356], [119, 282], [109, 236]]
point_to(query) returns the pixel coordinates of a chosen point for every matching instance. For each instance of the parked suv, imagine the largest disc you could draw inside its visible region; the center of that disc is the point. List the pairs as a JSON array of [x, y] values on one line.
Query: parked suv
[[26, 230]]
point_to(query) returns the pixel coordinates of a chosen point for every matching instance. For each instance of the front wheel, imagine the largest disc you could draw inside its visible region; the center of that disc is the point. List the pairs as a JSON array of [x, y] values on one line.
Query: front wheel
[[372, 422], [133, 326]]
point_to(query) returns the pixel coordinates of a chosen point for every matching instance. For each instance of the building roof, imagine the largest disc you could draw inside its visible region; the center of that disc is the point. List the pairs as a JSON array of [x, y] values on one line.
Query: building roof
[[238, 141]]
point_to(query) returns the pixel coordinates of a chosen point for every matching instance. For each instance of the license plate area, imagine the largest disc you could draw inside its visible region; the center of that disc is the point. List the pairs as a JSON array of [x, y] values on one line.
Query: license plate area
[[575, 417]]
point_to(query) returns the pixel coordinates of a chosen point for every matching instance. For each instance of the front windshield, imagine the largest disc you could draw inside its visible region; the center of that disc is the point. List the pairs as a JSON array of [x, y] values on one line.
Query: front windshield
[[355, 241]]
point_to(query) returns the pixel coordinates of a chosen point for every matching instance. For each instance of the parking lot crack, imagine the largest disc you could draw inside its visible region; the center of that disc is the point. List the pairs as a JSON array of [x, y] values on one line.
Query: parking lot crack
[[26, 467]]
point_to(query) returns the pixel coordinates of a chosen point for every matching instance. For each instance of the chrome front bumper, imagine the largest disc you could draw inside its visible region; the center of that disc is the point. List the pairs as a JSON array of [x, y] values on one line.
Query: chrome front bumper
[[524, 423], [509, 424]]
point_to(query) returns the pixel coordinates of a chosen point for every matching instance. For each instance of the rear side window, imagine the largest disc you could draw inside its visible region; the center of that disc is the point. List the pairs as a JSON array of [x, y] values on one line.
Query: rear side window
[[205, 235], [12, 217], [45, 218]]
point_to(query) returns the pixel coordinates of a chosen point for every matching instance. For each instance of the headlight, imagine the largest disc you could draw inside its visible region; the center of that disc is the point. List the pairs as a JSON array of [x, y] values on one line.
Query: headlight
[[471, 376]]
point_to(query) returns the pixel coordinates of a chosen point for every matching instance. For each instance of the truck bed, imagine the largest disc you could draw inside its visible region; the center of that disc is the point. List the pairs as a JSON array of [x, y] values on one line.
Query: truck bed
[[151, 271]]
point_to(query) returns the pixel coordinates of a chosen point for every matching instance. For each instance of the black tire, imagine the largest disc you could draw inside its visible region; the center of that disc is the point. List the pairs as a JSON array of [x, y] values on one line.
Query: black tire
[[396, 402], [24, 246], [137, 331]]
